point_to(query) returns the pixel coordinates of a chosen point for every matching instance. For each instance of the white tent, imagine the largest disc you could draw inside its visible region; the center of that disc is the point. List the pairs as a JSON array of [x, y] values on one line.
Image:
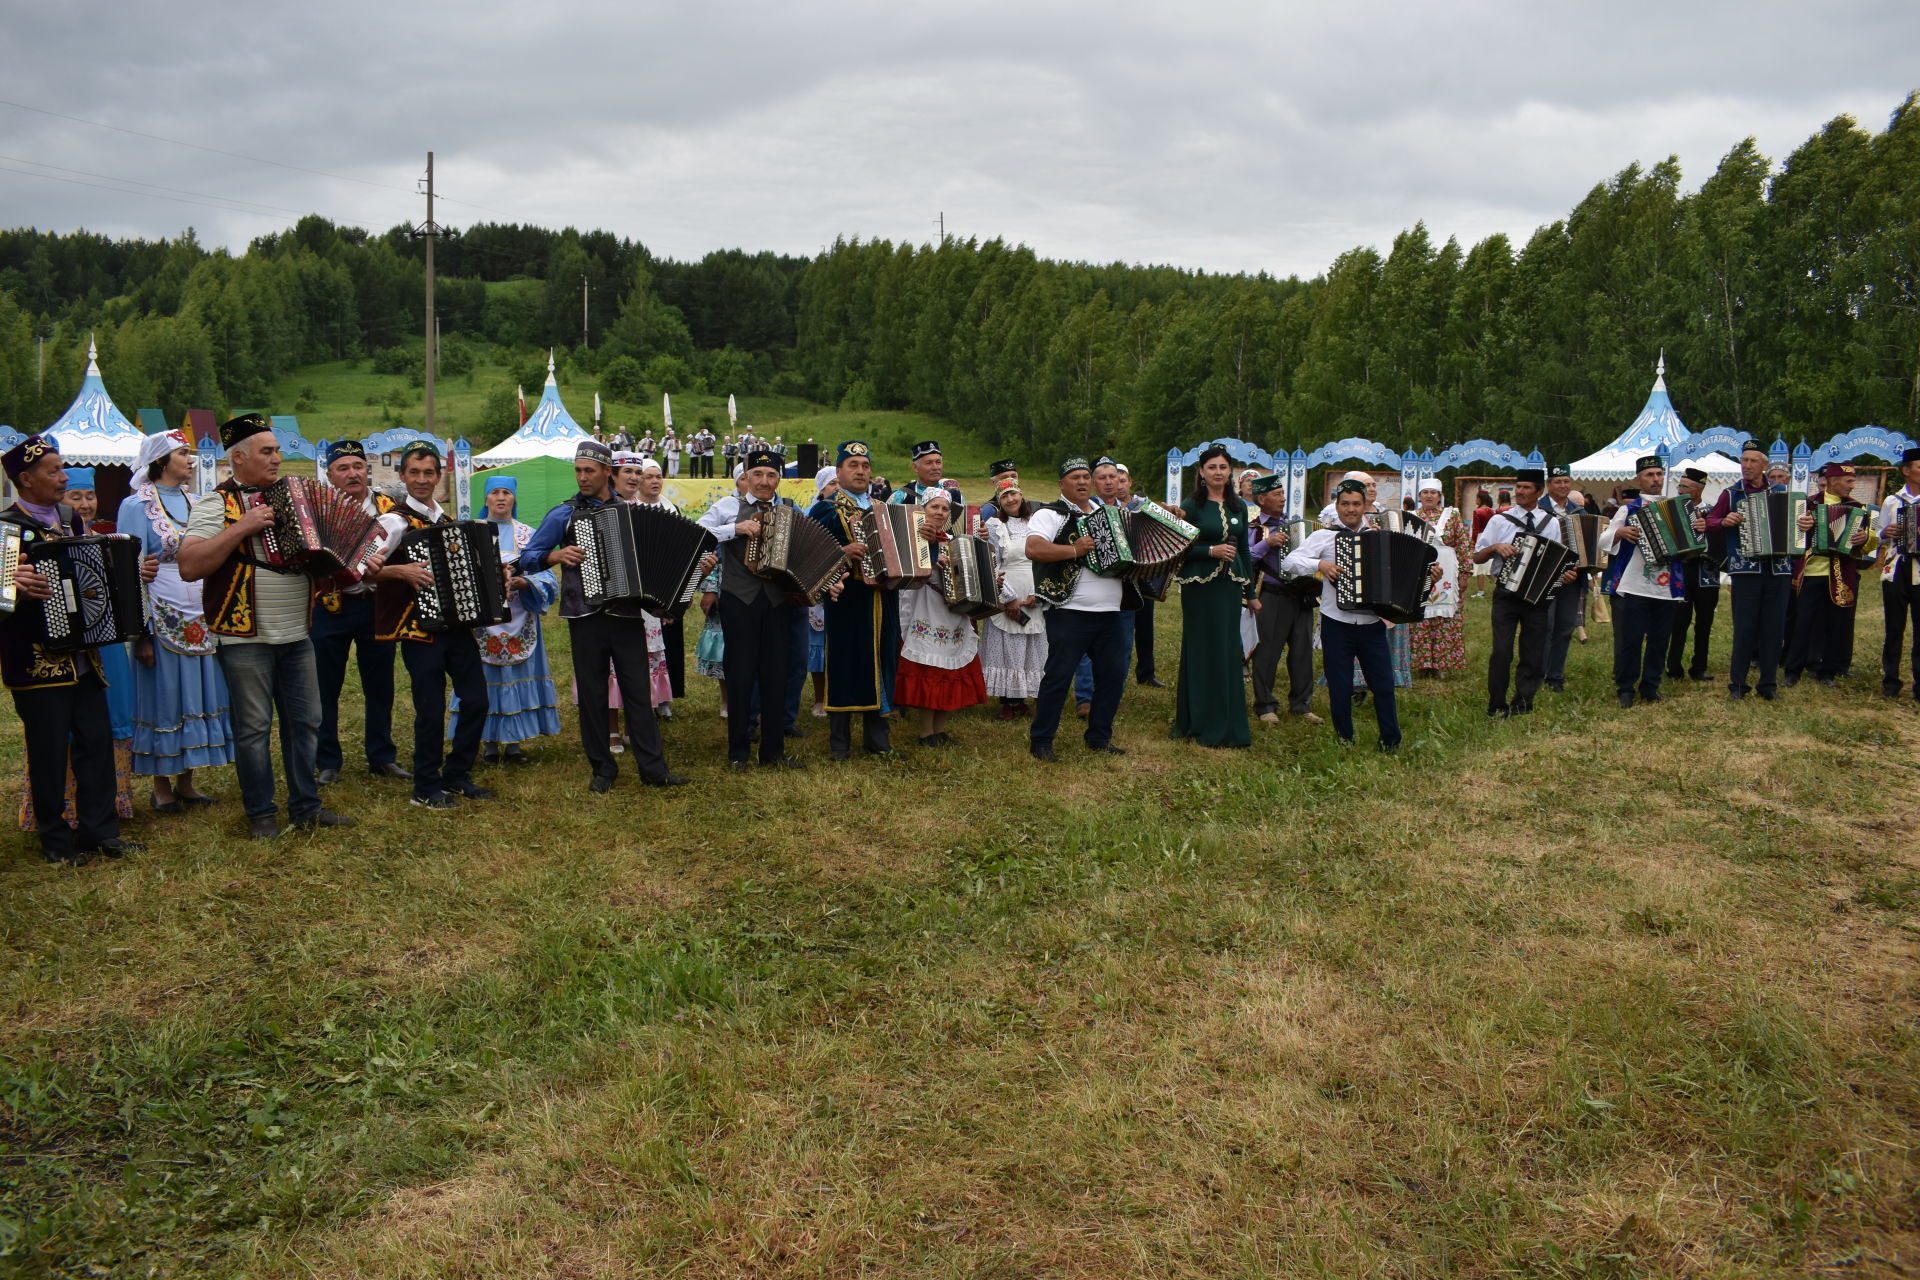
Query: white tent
[[92, 432], [1721, 472], [1657, 425], [548, 432]]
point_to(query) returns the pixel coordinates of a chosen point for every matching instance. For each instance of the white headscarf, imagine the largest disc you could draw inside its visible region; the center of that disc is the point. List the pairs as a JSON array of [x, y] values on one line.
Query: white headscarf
[[152, 449], [821, 478]]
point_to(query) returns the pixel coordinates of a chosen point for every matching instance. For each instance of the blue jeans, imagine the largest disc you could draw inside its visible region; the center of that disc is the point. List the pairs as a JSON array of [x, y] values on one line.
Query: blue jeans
[[1083, 674], [1341, 644], [263, 678]]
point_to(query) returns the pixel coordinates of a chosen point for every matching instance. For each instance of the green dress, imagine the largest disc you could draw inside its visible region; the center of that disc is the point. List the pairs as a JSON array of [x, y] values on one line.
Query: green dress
[[1212, 699]]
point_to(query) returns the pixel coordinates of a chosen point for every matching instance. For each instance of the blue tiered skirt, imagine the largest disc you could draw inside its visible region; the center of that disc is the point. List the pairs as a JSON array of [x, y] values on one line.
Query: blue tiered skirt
[[180, 718]]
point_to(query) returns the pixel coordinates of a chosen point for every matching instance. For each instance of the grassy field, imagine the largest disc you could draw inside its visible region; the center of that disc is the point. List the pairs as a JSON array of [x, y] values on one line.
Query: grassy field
[[1597, 993]]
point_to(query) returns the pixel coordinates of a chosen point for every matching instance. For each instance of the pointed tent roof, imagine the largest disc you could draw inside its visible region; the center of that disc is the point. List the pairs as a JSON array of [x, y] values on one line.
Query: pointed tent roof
[[92, 432], [1657, 425], [548, 432]]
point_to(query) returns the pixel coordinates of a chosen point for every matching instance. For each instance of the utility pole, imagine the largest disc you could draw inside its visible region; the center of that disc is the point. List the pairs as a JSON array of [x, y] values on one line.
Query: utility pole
[[583, 311], [430, 230], [941, 222]]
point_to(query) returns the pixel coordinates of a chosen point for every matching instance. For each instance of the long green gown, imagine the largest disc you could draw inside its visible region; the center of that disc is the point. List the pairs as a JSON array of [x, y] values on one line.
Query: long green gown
[[1212, 697]]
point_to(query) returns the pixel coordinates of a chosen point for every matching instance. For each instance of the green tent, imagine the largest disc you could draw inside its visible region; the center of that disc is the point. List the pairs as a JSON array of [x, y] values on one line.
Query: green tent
[[543, 484]]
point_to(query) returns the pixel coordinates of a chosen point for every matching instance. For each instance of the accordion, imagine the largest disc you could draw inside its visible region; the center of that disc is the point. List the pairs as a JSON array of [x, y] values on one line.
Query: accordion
[[644, 556], [1581, 533], [1534, 568], [9, 561], [795, 551], [317, 529], [1769, 525], [1383, 573], [970, 576], [1666, 530], [897, 555], [1145, 545], [1294, 584], [1405, 522], [1903, 535], [1835, 526], [469, 588], [98, 597]]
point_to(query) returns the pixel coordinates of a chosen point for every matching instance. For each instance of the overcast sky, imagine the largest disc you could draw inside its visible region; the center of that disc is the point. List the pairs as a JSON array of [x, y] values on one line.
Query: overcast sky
[[1225, 136]]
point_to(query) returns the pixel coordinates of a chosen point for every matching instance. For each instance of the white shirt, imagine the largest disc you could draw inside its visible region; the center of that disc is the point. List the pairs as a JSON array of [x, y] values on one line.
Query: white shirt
[[1900, 497], [392, 526], [1091, 592], [720, 518], [1509, 524], [1640, 576], [1305, 560]]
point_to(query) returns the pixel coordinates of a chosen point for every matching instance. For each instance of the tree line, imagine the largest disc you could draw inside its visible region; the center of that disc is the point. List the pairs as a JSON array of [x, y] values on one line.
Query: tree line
[[1786, 298]]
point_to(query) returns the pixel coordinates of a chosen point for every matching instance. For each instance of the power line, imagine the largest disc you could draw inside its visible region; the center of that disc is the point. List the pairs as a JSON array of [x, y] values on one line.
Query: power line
[[124, 191], [108, 177]]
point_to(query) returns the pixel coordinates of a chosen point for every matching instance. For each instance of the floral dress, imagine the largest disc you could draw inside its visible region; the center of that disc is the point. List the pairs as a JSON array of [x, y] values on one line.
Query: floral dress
[[1439, 644]]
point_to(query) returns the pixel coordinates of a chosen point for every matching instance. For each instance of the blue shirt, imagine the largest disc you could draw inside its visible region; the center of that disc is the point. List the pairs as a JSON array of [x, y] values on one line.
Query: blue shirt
[[550, 534]]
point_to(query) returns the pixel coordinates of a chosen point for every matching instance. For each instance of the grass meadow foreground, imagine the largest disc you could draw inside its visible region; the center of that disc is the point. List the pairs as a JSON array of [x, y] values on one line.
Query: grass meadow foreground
[[1597, 993]]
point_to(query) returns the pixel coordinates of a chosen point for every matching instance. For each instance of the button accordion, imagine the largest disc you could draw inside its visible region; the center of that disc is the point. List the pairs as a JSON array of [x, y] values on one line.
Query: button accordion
[[1835, 526], [897, 554], [1136, 544], [1405, 522], [795, 551], [10, 544], [1581, 533], [1903, 535], [98, 597], [1535, 567], [1769, 525], [1306, 586], [645, 557], [1666, 530], [469, 588], [969, 576], [1383, 573], [317, 529]]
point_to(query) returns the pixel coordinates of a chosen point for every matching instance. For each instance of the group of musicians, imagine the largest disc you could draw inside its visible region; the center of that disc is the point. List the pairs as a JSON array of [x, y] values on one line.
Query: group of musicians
[[283, 639]]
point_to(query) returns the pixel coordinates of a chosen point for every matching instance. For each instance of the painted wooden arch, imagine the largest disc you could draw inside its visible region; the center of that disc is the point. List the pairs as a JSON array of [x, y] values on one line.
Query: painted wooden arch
[[1487, 451], [1863, 441], [1241, 451]]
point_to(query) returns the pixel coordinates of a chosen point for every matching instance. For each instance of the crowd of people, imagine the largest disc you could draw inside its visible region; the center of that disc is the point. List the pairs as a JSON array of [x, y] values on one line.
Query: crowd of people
[[239, 642]]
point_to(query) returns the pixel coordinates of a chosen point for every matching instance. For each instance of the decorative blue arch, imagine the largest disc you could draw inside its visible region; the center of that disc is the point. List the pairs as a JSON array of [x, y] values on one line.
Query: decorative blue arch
[[1861, 441], [286, 429], [1488, 451], [1353, 447], [1715, 439], [1239, 450]]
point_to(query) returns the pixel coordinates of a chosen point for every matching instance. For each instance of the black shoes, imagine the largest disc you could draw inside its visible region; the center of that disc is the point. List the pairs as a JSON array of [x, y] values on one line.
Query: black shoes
[[324, 818], [739, 766], [115, 848], [1498, 713], [1108, 749], [1043, 753], [601, 784], [1152, 683], [1626, 698], [514, 755], [262, 828], [1389, 748], [1653, 697], [387, 770], [1826, 682], [326, 777], [664, 780], [467, 788], [439, 800], [491, 755]]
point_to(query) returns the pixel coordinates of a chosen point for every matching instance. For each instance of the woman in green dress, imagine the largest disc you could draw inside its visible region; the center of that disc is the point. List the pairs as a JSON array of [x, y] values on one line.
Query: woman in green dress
[[1216, 583]]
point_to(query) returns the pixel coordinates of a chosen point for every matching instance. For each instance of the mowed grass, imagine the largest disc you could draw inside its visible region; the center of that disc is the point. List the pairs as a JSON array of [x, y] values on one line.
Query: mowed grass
[[1597, 993]]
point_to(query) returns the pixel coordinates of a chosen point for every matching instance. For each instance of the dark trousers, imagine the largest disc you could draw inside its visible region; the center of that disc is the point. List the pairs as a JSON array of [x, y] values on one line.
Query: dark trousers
[[1642, 627], [1341, 645], [759, 636], [1822, 633], [875, 736], [674, 634], [1563, 621], [1900, 601], [1695, 611], [600, 641], [62, 723], [455, 656], [796, 666], [334, 635], [1285, 621], [1513, 620], [1071, 635], [1143, 668], [1759, 628]]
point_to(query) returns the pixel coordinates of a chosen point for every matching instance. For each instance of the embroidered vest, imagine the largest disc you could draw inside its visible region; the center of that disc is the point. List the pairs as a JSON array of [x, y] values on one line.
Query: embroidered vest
[[23, 663], [396, 612], [226, 597]]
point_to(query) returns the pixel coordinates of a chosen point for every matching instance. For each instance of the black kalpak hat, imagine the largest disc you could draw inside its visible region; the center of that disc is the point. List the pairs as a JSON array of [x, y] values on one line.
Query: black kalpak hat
[[1695, 474], [1532, 475], [344, 449], [1646, 460], [1911, 455], [1752, 446], [593, 451], [924, 448], [765, 458], [23, 455], [1001, 468], [234, 430]]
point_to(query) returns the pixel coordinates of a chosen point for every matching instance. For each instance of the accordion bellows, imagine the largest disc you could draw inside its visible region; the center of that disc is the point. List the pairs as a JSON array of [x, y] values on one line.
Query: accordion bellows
[[793, 550], [970, 576], [1834, 527], [98, 597], [1666, 530], [897, 555], [1136, 544], [1581, 532], [1383, 573], [649, 557], [469, 588], [317, 529], [1769, 525]]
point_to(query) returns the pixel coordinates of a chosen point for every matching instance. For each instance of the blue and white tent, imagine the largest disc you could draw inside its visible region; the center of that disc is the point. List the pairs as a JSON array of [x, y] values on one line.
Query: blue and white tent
[[92, 432], [548, 432]]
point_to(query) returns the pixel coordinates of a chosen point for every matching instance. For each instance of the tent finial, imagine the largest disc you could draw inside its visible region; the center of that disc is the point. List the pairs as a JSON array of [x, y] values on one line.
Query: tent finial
[[93, 356]]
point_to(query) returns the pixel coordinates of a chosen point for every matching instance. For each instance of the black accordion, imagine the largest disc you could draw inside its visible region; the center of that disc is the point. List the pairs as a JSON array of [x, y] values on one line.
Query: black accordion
[[10, 544], [1383, 573], [648, 557], [970, 576], [98, 597], [1770, 525], [469, 588], [1903, 535], [1535, 567], [794, 550], [897, 555]]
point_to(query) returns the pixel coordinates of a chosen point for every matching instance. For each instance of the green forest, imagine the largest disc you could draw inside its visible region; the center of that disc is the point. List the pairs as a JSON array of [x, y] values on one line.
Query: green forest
[[1786, 296]]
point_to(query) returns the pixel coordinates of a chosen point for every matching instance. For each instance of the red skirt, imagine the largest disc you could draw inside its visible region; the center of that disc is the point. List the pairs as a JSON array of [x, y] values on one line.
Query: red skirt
[[938, 688]]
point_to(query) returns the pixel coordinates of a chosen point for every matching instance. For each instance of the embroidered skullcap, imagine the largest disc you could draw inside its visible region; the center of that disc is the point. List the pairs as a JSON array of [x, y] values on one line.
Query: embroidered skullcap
[[247, 425]]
